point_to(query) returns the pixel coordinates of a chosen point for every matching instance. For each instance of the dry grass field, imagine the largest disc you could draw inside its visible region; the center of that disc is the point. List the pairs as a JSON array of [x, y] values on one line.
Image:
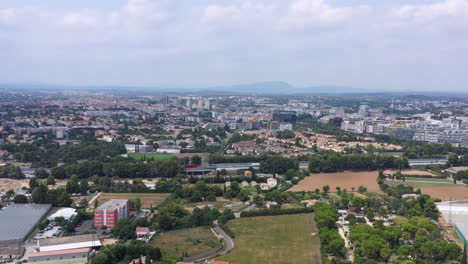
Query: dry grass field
[[454, 192], [417, 173], [275, 240], [10, 184], [344, 180], [148, 200]]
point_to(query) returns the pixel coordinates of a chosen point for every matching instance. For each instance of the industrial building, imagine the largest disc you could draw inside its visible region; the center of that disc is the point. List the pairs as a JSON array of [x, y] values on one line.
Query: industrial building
[[67, 213], [461, 228], [17, 221], [69, 242], [109, 213], [79, 253], [456, 214]]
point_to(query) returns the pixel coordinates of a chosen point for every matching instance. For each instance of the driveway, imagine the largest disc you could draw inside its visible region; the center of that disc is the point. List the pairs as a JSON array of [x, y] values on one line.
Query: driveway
[[85, 226]]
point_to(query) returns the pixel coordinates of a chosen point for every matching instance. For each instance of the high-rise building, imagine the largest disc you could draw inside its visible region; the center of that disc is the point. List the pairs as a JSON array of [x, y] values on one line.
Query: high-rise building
[[111, 212], [165, 100], [285, 116]]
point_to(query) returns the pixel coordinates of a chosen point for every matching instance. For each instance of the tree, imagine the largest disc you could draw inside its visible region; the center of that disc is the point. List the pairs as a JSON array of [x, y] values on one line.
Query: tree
[[243, 195], [73, 185], [39, 194], [20, 199], [50, 180], [138, 204], [258, 200], [84, 186], [41, 173], [326, 188], [33, 183], [196, 160]]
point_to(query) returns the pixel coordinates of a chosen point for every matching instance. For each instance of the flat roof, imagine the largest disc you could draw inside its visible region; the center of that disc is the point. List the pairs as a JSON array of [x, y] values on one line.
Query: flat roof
[[17, 221], [67, 240], [463, 228], [59, 252], [112, 204]]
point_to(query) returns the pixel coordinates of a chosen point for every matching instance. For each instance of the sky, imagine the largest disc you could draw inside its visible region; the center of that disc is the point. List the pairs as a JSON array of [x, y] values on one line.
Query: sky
[[371, 44]]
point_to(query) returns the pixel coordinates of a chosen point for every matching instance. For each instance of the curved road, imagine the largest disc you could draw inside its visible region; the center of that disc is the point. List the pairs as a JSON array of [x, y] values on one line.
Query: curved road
[[227, 241]]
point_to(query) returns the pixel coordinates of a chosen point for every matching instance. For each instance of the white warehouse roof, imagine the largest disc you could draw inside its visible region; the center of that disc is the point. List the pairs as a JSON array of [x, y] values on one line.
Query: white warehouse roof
[[70, 242], [67, 213]]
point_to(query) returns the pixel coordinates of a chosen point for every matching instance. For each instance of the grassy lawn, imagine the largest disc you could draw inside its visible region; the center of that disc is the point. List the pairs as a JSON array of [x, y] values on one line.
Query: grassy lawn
[[419, 179], [155, 156], [148, 200], [428, 184], [193, 241], [275, 239]]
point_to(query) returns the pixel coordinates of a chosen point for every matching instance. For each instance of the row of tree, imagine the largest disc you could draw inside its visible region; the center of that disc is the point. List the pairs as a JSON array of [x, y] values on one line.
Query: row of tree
[[333, 162]]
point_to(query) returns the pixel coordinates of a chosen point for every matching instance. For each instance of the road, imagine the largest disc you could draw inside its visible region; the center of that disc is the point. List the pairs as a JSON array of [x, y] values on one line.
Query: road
[[228, 245], [248, 208]]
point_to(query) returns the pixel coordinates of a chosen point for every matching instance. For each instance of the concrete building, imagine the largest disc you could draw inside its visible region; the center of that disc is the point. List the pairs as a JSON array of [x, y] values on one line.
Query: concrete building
[[69, 242], [67, 213], [285, 116], [78, 253], [109, 213]]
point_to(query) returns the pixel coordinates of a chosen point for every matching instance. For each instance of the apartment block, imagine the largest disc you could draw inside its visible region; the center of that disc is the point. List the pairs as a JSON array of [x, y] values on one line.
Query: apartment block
[[111, 212]]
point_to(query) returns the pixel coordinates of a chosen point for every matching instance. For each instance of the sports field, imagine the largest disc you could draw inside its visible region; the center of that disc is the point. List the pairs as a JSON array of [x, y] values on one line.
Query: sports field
[[275, 240], [154, 156], [148, 200], [344, 180], [189, 241]]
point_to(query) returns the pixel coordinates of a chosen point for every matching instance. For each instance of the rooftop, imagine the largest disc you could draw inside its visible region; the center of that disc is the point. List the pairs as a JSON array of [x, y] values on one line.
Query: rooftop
[[59, 252], [19, 220], [112, 204], [67, 240]]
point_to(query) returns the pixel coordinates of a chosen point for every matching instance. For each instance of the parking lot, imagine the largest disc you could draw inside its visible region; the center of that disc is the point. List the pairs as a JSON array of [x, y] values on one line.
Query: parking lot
[[55, 231]]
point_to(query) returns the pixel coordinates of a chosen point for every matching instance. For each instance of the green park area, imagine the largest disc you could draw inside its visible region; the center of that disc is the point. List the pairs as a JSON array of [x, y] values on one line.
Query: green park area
[[151, 156]]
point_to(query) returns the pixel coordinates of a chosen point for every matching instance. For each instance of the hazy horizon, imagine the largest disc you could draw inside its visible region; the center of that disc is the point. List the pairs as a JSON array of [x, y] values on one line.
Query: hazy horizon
[[417, 45]]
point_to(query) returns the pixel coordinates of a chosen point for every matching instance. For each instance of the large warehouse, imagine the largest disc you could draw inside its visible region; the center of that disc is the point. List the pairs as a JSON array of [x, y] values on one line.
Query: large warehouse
[[17, 221], [69, 242]]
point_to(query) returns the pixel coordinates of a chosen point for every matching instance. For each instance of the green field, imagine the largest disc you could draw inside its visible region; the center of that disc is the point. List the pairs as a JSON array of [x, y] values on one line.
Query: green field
[[155, 156], [419, 182], [148, 200], [189, 241], [275, 240]]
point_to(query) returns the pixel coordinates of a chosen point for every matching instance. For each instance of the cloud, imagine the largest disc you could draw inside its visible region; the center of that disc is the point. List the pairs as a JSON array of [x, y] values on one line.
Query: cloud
[[7, 16], [446, 9], [305, 42], [304, 13], [84, 19]]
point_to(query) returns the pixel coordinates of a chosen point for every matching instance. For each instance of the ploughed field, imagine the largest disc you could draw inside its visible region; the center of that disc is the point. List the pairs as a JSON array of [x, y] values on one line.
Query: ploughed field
[[344, 180], [441, 188], [275, 240]]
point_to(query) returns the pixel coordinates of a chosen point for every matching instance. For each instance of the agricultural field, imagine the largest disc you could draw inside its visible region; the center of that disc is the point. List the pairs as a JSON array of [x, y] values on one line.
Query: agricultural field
[[344, 180], [155, 156], [419, 183], [275, 240], [418, 173], [148, 200], [455, 192], [189, 241]]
